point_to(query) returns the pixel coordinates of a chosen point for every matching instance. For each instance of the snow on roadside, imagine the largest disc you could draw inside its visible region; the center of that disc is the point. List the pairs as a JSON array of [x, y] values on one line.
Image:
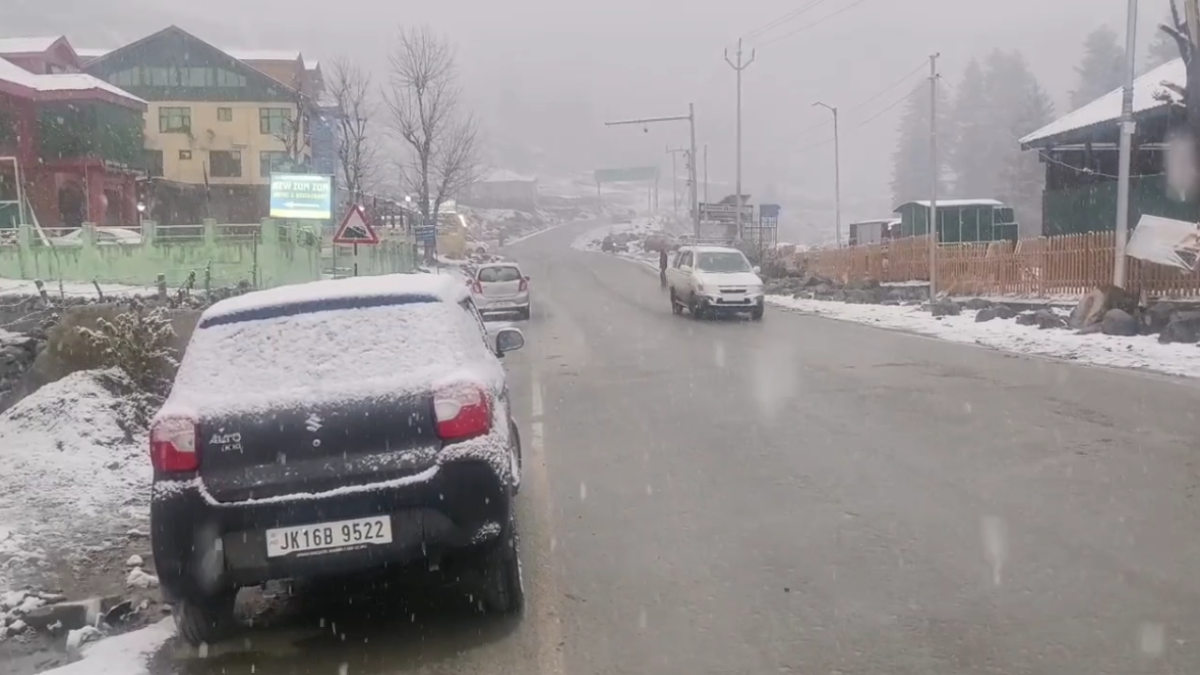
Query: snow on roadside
[[124, 654], [72, 289], [1138, 352], [75, 473]]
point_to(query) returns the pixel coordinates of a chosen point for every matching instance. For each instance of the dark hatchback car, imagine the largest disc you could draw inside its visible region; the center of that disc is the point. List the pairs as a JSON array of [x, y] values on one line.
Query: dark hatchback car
[[331, 428]]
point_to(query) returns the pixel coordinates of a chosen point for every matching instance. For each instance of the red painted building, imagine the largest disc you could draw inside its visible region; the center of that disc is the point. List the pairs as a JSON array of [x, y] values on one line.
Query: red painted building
[[71, 141]]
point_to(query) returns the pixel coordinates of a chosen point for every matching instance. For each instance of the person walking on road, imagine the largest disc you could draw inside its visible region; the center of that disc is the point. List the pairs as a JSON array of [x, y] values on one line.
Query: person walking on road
[[662, 267]]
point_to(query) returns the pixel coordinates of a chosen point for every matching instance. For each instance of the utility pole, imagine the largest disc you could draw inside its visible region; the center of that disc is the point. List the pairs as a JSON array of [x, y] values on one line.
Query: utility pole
[[690, 118], [934, 170], [837, 173], [706, 174], [738, 68], [1125, 148], [675, 176]]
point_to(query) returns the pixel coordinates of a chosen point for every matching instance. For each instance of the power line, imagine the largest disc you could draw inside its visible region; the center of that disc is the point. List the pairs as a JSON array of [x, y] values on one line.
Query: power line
[[782, 19], [818, 22], [865, 122], [867, 100]]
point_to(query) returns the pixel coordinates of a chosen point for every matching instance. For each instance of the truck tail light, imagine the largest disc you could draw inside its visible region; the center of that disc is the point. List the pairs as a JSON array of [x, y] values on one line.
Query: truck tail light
[[462, 411], [174, 443]]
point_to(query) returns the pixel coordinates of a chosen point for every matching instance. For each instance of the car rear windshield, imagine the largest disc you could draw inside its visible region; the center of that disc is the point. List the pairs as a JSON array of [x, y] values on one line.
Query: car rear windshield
[[365, 349], [490, 274], [723, 261]]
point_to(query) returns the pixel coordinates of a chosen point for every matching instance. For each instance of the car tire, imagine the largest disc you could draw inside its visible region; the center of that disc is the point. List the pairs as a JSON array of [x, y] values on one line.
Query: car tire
[[523, 313], [205, 621], [676, 308], [698, 310], [503, 585], [756, 314], [516, 436]]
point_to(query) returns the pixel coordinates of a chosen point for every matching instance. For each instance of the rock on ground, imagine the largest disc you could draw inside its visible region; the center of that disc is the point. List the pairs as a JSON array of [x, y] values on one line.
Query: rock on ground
[[1118, 322]]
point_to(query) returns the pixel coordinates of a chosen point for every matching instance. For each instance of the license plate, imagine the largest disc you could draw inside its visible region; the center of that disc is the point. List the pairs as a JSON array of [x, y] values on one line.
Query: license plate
[[327, 537]]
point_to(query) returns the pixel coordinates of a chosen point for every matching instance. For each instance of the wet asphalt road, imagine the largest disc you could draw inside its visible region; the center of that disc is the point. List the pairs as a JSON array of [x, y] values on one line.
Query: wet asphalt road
[[796, 496]]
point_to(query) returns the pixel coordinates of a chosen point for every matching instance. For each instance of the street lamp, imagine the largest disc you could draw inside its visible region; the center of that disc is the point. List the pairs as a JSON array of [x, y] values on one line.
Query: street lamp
[[837, 171], [690, 118]]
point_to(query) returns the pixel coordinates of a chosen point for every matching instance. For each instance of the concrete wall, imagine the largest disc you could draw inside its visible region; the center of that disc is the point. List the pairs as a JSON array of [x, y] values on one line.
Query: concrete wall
[[278, 256]]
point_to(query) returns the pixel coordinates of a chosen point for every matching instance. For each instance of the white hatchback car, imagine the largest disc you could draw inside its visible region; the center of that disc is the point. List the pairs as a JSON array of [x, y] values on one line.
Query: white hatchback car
[[501, 287]]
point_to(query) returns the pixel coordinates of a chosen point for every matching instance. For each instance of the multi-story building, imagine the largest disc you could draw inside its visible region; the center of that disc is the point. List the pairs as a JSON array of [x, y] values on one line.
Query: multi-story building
[[213, 121], [70, 144]]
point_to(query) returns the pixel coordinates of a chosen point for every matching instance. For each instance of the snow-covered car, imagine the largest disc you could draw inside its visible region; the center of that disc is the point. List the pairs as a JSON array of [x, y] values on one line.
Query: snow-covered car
[[332, 428], [501, 287], [104, 235], [714, 279]]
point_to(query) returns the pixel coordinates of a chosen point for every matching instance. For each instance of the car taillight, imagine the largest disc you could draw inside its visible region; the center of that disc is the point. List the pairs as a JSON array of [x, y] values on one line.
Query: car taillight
[[462, 411], [478, 288], [173, 442], [524, 284]]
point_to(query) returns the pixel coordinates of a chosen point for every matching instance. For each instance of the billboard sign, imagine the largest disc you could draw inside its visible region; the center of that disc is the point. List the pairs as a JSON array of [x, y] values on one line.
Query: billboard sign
[[629, 175], [301, 196], [725, 213]]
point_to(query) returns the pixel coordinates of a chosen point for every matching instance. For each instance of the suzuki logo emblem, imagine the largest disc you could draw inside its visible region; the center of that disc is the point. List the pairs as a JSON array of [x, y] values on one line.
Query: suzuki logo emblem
[[313, 423]]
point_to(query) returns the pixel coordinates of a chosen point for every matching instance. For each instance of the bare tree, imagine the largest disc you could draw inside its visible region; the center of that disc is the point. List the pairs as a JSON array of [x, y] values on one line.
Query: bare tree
[[1189, 93], [423, 103], [293, 132], [350, 89]]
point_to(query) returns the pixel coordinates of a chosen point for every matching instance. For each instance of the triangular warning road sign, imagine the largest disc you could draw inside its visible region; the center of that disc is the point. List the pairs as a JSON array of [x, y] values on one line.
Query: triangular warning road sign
[[355, 229]]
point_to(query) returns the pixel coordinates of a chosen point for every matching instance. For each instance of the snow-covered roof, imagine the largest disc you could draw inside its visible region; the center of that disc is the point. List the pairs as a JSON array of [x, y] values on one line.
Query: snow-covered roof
[[1107, 108], [506, 176], [445, 287], [263, 54], [951, 203], [91, 52], [27, 45], [708, 249], [312, 65], [873, 221], [11, 72]]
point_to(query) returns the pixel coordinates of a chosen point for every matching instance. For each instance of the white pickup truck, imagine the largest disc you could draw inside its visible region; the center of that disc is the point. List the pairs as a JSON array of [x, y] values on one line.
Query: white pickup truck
[[712, 280]]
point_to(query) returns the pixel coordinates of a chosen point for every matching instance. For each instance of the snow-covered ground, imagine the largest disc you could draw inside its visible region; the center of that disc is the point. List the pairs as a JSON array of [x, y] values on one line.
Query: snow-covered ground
[[121, 655], [1139, 352], [72, 289], [74, 475]]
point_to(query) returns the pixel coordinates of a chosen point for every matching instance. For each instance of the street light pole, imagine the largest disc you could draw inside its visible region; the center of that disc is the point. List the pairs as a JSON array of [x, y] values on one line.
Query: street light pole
[[1125, 148], [837, 173], [690, 118], [738, 68], [706, 173], [934, 166]]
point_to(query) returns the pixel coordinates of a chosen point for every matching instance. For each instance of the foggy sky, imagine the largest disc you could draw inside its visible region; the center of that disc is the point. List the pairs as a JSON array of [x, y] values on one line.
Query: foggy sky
[[546, 73]]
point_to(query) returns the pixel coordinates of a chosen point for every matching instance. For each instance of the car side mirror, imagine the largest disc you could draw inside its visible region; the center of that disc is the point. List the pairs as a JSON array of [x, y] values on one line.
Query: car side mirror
[[509, 340], [526, 277], [757, 269]]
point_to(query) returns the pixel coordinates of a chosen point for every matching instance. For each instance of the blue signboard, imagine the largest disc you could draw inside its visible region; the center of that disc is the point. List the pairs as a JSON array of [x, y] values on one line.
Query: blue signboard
[[425, 233], [768, 215], [301, 196]]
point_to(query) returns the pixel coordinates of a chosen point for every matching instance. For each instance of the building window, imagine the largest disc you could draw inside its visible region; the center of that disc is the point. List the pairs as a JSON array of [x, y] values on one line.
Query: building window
[[174, 120], [225, 164], [154, 163], [185, 154], [270, 161], [226, 78], [130, 77], [274, 120], [224, 114]]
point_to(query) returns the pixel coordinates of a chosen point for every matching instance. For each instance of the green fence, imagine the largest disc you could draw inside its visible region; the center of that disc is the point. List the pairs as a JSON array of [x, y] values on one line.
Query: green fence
[[1093, 208], [264, 254]]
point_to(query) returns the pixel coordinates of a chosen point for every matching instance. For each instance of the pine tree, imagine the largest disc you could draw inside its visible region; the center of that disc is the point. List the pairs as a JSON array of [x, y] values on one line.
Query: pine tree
[[1101, 68], [1020, 106], [911, 175], [1163, 48], [974, 173]]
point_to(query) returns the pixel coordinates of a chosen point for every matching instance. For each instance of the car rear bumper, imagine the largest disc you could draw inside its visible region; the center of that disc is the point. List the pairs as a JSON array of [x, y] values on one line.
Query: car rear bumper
[[201, 548], [509, 303]]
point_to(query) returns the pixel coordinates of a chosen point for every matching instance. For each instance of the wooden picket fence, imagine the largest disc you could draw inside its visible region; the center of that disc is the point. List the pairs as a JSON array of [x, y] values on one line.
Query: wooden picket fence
[[1065, 265]]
